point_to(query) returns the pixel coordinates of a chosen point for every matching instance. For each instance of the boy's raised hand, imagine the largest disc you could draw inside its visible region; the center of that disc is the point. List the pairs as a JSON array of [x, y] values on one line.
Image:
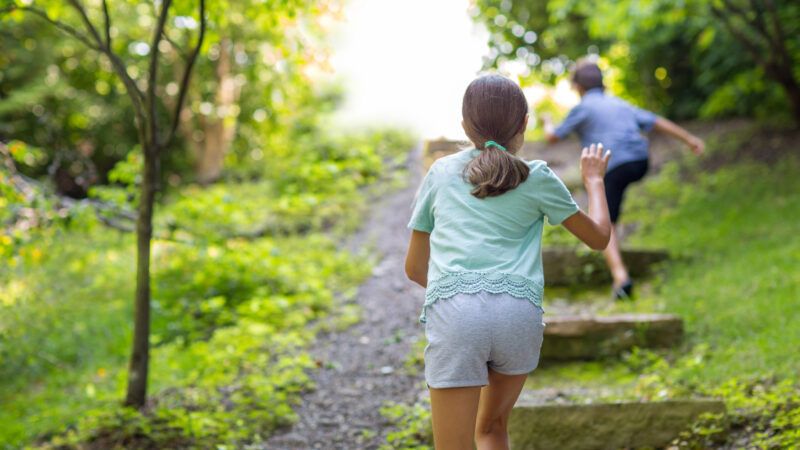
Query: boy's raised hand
[[594, 161]]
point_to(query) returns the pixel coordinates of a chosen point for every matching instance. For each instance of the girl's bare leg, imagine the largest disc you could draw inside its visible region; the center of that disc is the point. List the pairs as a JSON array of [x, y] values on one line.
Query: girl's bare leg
[[453, 412], [614, 260], [497, 399]]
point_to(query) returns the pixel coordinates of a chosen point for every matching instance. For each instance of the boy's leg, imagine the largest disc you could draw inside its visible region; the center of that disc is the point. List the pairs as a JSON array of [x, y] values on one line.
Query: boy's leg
[[453, 411], [617, 181], [497, 400], [613, 257]]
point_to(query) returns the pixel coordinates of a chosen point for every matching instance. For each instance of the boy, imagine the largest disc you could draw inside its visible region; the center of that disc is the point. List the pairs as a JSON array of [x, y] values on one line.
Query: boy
[[619, 127]]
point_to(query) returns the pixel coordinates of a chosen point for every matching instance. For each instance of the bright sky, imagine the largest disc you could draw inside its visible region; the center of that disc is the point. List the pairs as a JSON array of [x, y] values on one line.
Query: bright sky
[[407, 63]]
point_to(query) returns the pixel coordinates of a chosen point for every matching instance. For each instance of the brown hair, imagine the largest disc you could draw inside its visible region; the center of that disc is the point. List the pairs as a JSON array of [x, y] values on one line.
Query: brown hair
[[587, 75], [494, 109]]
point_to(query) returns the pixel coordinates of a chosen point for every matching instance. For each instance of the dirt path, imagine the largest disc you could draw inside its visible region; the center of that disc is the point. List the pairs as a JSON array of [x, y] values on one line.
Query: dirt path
[[362, 367]]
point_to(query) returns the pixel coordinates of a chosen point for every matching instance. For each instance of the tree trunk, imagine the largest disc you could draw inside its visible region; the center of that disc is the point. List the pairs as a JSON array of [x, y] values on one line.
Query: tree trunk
[[782, 74], [140, 356], [218, 128], [793, 91]]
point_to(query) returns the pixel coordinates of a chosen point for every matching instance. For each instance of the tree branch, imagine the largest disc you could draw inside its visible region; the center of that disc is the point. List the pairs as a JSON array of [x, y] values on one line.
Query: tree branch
[[111, 223], [119, 67], [107, 20], [754, 30], [175, 46], [97, 45], [85, 40], [780, 35], [761, 24], [752, 48], [8, 9], [152, 80], [187, 73], [76, 4], [122, 71]]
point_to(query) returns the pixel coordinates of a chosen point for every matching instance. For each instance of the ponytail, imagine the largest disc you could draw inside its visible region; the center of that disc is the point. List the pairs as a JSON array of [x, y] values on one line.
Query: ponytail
[[495, 171]]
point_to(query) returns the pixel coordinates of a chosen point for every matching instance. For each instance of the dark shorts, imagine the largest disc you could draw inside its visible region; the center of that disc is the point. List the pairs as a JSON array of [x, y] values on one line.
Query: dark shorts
[[617, 180]]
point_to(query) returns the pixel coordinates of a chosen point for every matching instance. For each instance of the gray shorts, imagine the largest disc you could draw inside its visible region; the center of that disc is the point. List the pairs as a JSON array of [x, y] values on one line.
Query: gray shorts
[[470, 333]]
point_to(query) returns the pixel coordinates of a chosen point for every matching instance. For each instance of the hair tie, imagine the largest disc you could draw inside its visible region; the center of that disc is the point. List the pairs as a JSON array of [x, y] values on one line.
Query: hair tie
[[494, 144]]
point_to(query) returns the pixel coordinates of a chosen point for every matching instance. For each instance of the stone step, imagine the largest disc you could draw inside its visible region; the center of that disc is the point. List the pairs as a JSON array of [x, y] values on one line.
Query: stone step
[[604, 425], [437, 148], [566, 266], [562, 156], [571, 337]]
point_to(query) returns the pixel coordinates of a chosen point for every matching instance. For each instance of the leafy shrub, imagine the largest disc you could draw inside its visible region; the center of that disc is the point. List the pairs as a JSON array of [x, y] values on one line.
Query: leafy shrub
[[232, 312], [761, 412], [413, 424]]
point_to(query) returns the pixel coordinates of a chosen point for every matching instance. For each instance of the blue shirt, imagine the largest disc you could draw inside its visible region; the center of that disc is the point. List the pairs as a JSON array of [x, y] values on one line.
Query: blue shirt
[[611, 121], [491, 244]]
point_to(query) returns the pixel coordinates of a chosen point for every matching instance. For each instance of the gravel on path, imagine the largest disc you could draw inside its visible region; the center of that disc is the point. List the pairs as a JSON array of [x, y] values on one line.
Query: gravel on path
[[362, 367]]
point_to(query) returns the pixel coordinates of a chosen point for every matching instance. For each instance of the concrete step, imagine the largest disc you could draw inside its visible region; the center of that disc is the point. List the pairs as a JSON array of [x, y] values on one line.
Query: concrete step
[[591, 337], [567, 266], [604, 426]]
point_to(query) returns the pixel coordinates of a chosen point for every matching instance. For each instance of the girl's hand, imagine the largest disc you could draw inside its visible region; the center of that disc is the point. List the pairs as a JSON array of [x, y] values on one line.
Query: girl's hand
[[594, 162], [593, 229]]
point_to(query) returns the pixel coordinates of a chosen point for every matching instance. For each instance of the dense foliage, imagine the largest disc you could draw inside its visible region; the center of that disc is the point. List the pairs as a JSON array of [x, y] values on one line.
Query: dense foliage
[[678, 58], [232, 310], [251, 86], [245, 272]]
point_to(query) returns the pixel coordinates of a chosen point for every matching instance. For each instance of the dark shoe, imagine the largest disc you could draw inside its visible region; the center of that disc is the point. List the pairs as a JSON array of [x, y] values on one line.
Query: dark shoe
[[624, 292]]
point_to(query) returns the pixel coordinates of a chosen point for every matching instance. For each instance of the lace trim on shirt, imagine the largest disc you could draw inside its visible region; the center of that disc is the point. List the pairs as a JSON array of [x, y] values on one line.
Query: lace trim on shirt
[[450, 284]]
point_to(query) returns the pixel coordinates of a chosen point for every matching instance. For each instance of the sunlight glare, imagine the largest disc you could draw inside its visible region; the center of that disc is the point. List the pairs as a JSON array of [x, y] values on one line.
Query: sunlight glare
[[407, 63]]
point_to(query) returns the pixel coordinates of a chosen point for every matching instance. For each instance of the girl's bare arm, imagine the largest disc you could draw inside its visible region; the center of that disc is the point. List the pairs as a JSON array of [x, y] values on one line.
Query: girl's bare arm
[[593, 229], [419, 251]]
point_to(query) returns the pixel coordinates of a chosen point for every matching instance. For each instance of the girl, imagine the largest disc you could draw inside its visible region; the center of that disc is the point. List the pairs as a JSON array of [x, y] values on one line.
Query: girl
[[476, 247]]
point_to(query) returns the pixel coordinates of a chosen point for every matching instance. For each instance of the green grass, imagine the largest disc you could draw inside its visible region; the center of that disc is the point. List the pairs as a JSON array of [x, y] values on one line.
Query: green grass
[[592, 375], [739, 283], [56, 363], [736, 283]]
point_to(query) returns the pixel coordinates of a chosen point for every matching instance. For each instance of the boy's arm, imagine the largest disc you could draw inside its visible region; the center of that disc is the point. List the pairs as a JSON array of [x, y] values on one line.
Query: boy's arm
[[574, 119], [549, 129], [695, 144]]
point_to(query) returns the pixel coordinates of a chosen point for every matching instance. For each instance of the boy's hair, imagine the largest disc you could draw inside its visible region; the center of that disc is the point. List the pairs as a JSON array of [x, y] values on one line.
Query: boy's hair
[[494, 109], [587, 75]]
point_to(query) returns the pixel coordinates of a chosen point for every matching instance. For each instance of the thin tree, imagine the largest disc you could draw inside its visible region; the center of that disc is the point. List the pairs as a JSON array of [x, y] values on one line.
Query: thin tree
[[155, 135]]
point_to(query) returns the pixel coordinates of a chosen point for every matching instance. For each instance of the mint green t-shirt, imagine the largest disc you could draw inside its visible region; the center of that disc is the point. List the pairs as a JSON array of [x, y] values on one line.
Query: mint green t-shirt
[[492, 244]]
